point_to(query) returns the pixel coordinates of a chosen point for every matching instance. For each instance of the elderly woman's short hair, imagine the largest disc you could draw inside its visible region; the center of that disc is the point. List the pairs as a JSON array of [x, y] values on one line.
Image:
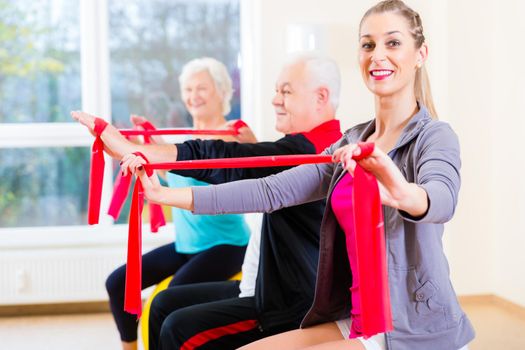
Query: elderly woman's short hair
[[218, 73]]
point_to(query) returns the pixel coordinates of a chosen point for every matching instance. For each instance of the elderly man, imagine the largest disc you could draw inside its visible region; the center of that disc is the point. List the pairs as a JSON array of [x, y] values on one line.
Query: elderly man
[[280, 265]]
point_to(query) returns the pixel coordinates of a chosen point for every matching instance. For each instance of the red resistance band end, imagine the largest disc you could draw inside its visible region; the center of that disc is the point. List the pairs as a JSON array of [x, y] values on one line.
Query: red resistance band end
[[96, 176], [239, 124], [366, 150], [100, 126], [149, 172], [147, 125]]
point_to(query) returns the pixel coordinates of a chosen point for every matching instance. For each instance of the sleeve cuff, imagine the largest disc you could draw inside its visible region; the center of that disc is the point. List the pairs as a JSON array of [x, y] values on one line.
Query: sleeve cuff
[[438, 205], [183, 152], [203, 199]]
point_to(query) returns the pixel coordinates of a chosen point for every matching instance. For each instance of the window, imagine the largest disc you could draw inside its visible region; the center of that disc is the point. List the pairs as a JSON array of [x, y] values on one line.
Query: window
[[39, 84], [106, 57], [149, 43], [39, 61], [43, 186]]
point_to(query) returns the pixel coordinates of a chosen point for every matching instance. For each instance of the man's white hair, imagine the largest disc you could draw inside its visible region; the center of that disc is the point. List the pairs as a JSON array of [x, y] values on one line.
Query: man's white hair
[[218, 73], [323, 71]]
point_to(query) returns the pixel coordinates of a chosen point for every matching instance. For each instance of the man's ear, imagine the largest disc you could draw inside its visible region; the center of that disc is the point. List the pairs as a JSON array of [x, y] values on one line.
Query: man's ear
[[323, 95]]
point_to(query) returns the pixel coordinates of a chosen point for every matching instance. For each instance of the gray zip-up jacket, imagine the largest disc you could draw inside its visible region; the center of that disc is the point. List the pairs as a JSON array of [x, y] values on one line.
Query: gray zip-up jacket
[[425, 309]]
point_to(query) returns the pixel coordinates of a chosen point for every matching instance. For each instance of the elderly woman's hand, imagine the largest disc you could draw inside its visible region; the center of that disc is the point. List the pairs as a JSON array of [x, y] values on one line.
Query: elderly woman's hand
[[130, 162], [153, 190], [245, 135], [133, 164], [115, 145], [85, 119], [138, 120]]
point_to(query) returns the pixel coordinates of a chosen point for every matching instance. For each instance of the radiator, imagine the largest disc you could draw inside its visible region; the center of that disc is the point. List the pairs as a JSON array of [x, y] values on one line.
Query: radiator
[[33, 270], [60, 275], [56, 275]]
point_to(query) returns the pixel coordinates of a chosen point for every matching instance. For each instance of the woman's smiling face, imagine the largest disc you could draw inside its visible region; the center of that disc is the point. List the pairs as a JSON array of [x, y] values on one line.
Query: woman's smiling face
[[388, 56]]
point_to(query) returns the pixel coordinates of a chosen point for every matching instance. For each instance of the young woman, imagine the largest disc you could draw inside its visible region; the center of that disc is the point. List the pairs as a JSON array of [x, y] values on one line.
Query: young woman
[[416, 162], [207, 248]]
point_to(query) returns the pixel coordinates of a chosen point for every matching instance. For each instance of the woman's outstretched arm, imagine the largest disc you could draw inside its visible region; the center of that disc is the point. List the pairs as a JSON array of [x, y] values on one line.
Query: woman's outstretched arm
[[295, 186], [117, 145]]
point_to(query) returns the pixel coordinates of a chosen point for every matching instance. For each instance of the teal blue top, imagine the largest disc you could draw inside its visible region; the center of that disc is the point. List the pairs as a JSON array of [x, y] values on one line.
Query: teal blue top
[[195, 233]]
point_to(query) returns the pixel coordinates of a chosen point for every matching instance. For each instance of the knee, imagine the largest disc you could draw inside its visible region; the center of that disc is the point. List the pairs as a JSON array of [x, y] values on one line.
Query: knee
[[162, 305], [116, 281], [172, 332], [170, 300], [172, 322], [157, 310]]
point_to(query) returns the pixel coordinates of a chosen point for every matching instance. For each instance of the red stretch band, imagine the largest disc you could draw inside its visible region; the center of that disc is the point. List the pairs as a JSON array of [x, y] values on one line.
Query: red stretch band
[[133, 132], [147, 125], [149, 172], [243, 162], [122, 184], [366, 150], [100, 126], [133, 270], [156, 218], [239, 123], [132, 298], [370, 239], [96, 177], [121, 190], [120, 193], [371, 252], [150, 130]]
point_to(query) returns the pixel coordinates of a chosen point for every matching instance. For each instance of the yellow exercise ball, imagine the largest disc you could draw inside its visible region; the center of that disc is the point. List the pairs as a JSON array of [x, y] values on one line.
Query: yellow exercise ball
[[144, 320]]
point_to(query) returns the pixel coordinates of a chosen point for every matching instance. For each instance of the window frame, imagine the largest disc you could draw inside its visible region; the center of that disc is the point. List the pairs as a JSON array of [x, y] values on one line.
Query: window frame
[[96, 99]]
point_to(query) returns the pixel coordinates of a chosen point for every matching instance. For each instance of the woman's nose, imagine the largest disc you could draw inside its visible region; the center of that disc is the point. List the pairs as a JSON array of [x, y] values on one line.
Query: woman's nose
[[194, 94], [378, 55]]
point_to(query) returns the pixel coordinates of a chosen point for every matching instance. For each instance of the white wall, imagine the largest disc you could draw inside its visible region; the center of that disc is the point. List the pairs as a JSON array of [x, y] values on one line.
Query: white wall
[[340, 20], [487, 100], [477, 76], [507, 161], [469, 238]]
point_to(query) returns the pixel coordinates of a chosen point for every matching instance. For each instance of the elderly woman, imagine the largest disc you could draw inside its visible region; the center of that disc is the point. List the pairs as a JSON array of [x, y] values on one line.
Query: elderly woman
[[207, 248]]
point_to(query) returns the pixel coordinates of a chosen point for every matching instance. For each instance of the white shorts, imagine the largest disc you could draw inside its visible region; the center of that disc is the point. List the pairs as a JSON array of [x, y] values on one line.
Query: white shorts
[[377, 342]]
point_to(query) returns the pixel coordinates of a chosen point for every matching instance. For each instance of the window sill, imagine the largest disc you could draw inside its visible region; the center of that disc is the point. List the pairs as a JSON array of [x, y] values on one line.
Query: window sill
[[39, 238]]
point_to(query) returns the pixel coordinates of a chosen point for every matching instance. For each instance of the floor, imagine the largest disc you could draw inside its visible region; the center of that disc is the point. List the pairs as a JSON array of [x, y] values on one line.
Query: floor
[[496, 327]]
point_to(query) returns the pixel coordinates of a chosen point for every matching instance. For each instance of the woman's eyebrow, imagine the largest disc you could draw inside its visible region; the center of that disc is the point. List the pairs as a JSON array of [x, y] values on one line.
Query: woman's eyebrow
[[387, 33]]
